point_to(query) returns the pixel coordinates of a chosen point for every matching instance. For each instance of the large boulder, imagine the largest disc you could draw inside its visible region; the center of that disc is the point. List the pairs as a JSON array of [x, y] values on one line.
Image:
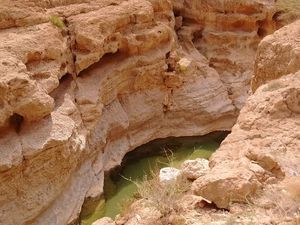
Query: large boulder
[[277, 55]]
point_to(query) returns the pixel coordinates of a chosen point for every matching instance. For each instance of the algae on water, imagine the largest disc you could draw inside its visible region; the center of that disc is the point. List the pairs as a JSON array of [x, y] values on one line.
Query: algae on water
[[119, 190]]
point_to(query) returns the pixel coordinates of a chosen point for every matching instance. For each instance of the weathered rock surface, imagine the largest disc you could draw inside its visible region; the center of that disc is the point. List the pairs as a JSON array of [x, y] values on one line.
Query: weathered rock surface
[[227, 33], [193, 169], [278, 55], [264, 143], [255, 172], [262, 148], [140, 213], [75, 99]]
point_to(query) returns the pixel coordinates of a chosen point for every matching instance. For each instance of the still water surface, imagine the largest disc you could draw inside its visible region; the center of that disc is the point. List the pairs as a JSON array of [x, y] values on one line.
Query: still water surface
[[142, 162]]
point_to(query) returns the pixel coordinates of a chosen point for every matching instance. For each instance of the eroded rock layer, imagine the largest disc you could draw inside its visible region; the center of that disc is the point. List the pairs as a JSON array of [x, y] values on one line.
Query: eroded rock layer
[[255, 174], [227, 33], [103, 77], [259, 160]]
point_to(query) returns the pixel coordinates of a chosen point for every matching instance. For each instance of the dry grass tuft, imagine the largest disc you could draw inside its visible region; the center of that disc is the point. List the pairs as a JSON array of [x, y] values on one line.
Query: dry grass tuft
[[163, 196]]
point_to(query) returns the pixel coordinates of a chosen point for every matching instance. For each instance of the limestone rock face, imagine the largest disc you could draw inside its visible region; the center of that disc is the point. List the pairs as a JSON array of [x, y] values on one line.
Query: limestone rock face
[[255, 172], [116, 74], [227, 33], [277, 55], [263, 144], [262, 148]]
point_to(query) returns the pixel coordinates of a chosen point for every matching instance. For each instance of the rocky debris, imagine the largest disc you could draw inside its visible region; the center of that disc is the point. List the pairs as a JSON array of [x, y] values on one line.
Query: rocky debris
[[277, 55], [292, 186], [191, 202], [75, 99], [193, 169], [183, 64], [168, 174]]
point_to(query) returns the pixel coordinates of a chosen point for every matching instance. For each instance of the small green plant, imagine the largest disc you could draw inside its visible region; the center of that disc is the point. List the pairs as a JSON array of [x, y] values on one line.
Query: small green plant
[[57, 21], [289, 10]]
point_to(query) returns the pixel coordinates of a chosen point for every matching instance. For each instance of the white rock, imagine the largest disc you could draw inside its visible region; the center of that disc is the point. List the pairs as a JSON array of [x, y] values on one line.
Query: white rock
[[168, 174]]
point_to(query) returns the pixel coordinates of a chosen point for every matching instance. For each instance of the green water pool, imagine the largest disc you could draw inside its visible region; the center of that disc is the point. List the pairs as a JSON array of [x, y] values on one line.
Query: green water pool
[[118, 188]]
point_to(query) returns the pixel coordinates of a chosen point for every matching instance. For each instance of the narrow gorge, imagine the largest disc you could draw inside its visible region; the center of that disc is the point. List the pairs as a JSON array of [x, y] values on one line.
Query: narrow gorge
[[86, 82]]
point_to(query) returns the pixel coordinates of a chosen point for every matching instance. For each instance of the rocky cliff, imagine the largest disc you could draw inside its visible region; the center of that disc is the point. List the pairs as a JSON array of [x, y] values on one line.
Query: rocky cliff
[[84, 82], [255, 174], [264, 143]]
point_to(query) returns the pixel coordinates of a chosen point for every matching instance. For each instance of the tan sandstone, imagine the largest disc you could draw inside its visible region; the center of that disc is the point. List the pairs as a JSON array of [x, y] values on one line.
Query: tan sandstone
[[255, 172], [262, 147], [277, 55]]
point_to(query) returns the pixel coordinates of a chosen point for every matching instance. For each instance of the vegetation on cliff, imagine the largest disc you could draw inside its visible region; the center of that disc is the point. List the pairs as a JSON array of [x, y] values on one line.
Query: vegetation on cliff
[[57, 21]]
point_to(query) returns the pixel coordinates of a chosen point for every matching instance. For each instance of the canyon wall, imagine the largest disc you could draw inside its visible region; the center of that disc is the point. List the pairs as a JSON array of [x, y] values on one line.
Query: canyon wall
[[255, 174], [264, 143], [84, 82]]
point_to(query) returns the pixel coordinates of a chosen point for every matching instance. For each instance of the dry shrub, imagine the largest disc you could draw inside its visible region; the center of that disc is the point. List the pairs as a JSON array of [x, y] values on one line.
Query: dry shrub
[[278, 204], [163, 196]]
